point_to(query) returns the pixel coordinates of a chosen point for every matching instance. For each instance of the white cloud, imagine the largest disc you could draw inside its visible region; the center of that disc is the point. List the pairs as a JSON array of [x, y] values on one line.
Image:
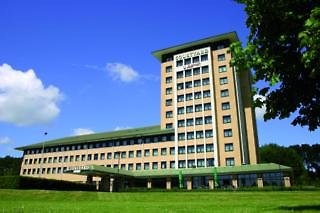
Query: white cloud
[[24, 100], [121, 128], [82, 131], [122, 72], [260, 111], [5, 140]]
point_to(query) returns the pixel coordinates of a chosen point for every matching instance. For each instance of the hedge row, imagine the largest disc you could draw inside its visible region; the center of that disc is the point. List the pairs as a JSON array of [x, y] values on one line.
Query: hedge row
[[20, 182]]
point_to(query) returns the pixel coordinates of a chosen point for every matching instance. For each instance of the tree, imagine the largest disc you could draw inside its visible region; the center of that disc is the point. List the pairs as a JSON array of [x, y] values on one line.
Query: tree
[[10, 166], [283, 50]]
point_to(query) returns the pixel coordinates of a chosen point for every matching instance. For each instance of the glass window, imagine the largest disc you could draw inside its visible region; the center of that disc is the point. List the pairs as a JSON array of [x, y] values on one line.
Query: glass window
[[188, 96], [199, 121], [198, 108], [172, 150], [96, 156], [226, 119], [169, 126], [163, 165], [223, 80], [180, 74], [199, 134], [191, 164], [205, 81], [188, 73], [225, 105], [210, 162], [227, 132], [181, 136], [204, 57], [200, 162], [221, 57], [169, 114], [181, 123], [109, 155], [155, 165], [102, 156], [190, 122], [180, 98], [138, 153], [209, 147], [187, 61], [208, 119], [169, 69], [196, 59], [207, 106], [179, 63], [180, 86], [180, 110], [229, 161], [224, 93], [182, 164], [197, 83], [189, 109], [163, 151], [190, 135], [146, 166], [147, 152], [197, 95], [223, 68], [205, 69], [228, 147], [77, 158], [190, 149], [168, 80], [131, 154], [123, 154], [168, 90], [138, 166], [206, 94], [209, 133], [196, 71], [154, 152], [200, 148], [123, 166], [116, 155], [188, 84], [172, 164], [130, 166]]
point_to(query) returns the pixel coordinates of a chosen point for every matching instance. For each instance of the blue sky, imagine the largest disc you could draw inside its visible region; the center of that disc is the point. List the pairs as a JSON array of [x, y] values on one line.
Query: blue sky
[[73, 67]]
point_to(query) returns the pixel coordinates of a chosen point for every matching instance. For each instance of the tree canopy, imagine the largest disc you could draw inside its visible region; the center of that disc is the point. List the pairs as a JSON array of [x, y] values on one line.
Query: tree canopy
[[283, 50]]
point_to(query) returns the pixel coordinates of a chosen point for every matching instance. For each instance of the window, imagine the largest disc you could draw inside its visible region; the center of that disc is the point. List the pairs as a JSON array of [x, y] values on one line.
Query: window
[[207, 106], [181, 123], [200, 148], [190, 122], [131, 154], [169, 91], [227, 132], [209, 147], [71, 158], [196, 71], [180, 110], [182, 164], [226, 119], [168, 102], [210, 162], [169, 114], [190, 135], [199, 121], [198, 108], [172, 151], [209, 133], [123, 166], [147, 152], [169, 126], [138, 166], [146, 166], [208, 119], [206, 94], [180, 98], [77, 158], [229, 161], [225, 105], [188, 84], [204, 57], [169, 69], [223, 80], [191, 164], [224, 93], [220, 46], [197, 95], [189, 109], [155, 165], [197, 83], [190, 149], [123, 154], [228, 147], [109, 155], [205, 69], [200, 162], [199, 134], [60, 160], [187, 73], [130, 166], [138, 153], [96, 156], [172, 164], [155, 152], [116, 155], [205, 81], [187, 61], [168, 80], [179, 63], [163, 151], [181, 136], [180, 74], [195, 59], [223, 68], [188, 96], [180, 86], [221, 57], [163, 165]]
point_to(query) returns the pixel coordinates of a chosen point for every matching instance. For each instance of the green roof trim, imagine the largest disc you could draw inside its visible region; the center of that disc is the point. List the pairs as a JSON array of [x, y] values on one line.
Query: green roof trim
[[232, 36], [229, 170], [114, 135]]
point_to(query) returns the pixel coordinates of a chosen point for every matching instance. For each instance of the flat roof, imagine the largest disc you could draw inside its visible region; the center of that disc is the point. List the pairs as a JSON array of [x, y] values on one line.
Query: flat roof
[[231, 36], [104, 136], [97, 170]]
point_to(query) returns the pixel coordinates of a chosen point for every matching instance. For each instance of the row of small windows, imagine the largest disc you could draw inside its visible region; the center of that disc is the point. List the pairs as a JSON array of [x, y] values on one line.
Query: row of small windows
[[195, 59], [133, 141], [194, 71], [198, 121], [199, 134]]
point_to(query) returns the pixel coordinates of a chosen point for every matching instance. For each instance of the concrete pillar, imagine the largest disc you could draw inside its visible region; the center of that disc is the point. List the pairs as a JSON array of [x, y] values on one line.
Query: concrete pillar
[[189, 183], [260, 182], [168, 184], [97, 185], [111, 184], [89, 179], [149, 184], [287, 182], [235, 181], [211, 183]]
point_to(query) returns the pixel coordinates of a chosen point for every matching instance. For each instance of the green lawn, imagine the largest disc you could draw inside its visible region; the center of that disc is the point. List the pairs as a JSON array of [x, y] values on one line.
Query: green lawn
[[58, 201]]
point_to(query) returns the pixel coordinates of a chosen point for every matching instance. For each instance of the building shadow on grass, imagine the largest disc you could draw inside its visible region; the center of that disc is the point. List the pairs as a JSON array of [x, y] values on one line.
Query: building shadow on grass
[[300, 208]]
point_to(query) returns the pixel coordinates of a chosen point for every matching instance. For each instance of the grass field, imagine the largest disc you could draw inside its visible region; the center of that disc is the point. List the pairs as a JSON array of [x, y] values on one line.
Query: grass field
[[68, 201]]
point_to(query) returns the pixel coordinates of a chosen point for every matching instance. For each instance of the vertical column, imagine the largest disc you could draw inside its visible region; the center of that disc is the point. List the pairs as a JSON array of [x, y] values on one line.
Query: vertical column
[[149, 184], [97, 185], [287, 182], [111, 184], [235, 181], [260, 181], [168, 184], [189, 183], [211, 183]]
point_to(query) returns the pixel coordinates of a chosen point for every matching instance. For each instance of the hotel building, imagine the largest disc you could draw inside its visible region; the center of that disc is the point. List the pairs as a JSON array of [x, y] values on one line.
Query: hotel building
[[207, 130]]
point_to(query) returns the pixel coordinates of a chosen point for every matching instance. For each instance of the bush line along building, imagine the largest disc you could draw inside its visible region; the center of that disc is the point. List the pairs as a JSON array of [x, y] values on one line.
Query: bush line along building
[[207, 134]]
